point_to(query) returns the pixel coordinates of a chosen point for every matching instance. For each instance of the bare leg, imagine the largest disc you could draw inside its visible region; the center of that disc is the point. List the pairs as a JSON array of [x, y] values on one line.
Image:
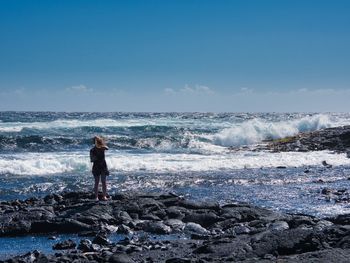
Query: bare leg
[[104, 186], [97, 181]]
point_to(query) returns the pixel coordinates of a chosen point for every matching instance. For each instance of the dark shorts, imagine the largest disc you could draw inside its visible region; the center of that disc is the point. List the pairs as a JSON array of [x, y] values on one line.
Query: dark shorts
[[100, 173], [99, 170]]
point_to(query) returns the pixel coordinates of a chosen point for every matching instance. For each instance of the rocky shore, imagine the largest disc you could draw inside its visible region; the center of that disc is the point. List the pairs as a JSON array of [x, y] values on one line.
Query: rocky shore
[[333, 139], [213, 233]]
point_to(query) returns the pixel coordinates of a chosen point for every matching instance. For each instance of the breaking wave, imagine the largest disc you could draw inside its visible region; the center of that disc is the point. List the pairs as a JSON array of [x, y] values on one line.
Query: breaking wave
[[73, 163], [257, 130], [157, 135]]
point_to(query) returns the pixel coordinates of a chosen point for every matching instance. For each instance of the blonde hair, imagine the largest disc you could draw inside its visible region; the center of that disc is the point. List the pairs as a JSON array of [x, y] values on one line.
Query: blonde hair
[[99, 142]]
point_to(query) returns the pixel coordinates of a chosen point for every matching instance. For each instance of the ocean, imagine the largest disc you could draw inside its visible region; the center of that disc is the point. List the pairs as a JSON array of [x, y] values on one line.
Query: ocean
[[197, 155]]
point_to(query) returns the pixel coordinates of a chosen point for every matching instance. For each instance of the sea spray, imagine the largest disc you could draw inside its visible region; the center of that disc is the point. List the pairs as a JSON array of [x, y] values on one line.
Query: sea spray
[[257, 130]]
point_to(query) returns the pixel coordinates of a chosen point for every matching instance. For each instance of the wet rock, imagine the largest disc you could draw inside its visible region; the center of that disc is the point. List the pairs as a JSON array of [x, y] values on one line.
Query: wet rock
[[334, 139], [175, 213], [338, 196], [156, 228], [206, 249], [123, 229], [60, 226], [233, 232], [133, 208], [170, 201], [231, 213], [76, 196], [175, 224], [122, 217], [292, 241], [120, 258], [199, 205], [278, 226], [323, 224], [150, 217], [101, 239], [204, 219], [200, 237], [324, 163], [67, 244], [178, 260], [85, 245], [241, 229], [193, 228], [341, 219], [328, 255], [301, 220]]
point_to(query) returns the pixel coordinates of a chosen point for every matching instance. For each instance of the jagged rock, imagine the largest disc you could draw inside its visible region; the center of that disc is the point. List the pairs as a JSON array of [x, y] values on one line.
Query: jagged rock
[[204, 219], [233, 232], [327, 165], [176, 213], [175, 224], [85, 245], [278, 226], [67, 244], [206, 249], [334, 139], [199, 205], [241, 229], [156, 228], [120, 258], [101, 240], [193, 228], [178, 260], [291, 241], [123, 229], [328, 255]]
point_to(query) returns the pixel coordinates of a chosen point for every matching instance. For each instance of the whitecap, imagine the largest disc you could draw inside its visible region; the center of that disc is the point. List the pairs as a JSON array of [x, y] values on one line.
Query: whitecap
[[257, 130], [53, 163]]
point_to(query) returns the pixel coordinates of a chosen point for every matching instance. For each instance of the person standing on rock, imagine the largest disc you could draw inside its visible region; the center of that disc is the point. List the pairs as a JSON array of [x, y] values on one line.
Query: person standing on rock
[[99, 167]]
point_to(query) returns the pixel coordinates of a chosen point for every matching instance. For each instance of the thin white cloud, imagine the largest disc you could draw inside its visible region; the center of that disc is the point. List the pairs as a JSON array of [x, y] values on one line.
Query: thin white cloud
[[80, 88], [19, 91], [195, 90], [169, 91], [199, 89], [246, 90]]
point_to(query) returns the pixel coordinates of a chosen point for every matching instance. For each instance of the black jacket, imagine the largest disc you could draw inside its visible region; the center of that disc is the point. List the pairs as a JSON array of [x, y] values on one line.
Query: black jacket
[[97, 156]]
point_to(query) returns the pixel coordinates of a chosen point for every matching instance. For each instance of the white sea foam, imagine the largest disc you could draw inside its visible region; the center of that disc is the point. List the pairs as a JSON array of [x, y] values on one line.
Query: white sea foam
[[42, 164], [256, 130], [252, 126], [61, 123], [19, 126], [54, 163]]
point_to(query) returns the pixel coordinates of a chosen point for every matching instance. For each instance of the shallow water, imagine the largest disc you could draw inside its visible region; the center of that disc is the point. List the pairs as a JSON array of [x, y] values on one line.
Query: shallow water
[[13, 246], [287, 190]]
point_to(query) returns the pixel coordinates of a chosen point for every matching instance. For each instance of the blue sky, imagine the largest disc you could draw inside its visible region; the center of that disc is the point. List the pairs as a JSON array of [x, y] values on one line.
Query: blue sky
[[185, 55]]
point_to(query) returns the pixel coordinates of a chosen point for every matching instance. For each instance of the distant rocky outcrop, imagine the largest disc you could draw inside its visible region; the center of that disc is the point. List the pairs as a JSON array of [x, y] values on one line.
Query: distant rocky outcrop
[[334, 139], [215, 233]]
